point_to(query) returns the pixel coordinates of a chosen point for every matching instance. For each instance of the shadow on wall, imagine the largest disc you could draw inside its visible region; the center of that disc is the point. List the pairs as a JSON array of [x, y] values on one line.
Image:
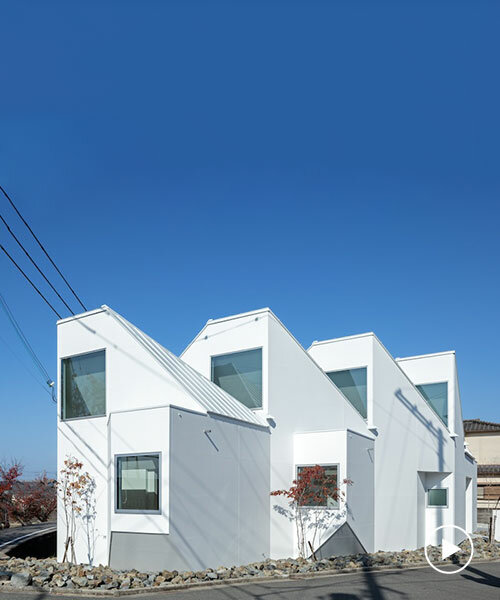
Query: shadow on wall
[[436, 432]]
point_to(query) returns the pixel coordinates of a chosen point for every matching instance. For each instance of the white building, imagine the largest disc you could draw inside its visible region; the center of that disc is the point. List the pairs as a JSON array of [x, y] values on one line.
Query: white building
[[185, 451]]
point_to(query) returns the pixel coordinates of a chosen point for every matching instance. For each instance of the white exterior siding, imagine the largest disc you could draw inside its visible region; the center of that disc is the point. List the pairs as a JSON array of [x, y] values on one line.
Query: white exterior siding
[[296, 393], [411, 443], [140, 393], [220, 460]]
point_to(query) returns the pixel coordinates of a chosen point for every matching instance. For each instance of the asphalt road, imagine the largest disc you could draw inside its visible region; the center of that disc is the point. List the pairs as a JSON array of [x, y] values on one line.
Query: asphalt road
[[8, 536], [477, 582]]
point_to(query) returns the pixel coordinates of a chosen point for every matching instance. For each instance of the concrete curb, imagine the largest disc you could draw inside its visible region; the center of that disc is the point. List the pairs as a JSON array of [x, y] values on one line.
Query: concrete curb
[[64, 592]]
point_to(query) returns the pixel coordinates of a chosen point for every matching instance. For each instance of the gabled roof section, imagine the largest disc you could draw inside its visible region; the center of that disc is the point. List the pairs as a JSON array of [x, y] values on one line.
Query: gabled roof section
[[210, 396], [250, 313], [478, 426]]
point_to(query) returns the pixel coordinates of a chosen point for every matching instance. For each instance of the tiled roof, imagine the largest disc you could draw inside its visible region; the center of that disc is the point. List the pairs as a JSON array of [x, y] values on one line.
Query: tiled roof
[[488, 470], [476, 426], [210, 396]]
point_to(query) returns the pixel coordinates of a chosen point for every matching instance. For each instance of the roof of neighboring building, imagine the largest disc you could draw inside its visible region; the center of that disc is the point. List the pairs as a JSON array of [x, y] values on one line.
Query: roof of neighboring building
[[210, 396], [488, 469], [478, 426]]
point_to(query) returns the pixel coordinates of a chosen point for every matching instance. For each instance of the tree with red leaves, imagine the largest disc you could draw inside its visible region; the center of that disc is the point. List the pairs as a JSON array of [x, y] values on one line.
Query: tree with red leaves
[[313, 503], [33, 500], [9, 475]]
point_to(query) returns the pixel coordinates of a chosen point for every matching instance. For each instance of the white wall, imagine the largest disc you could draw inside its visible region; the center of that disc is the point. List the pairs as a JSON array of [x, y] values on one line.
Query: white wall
[[133, 381], [219, 491], [360, 494], [435, 368], [410, 438], [139, 394], [298, 395], [135, 432]]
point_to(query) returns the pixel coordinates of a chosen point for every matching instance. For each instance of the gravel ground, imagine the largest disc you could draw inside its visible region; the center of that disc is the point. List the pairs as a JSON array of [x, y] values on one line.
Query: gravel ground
[[48, 573]]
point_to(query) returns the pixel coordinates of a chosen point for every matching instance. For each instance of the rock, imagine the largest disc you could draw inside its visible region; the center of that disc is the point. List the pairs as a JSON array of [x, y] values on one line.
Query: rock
[[125, 584], [80, 581], [211, 576], [177, 579], [21, 579], [5, 575]]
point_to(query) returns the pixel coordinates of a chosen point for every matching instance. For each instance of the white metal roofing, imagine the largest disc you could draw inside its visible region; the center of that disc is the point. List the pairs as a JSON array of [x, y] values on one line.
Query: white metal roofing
[[210, 396]]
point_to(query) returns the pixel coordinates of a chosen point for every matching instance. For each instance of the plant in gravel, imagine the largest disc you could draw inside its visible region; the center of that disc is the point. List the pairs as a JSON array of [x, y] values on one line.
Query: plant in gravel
[[313, 505], [75, 489]]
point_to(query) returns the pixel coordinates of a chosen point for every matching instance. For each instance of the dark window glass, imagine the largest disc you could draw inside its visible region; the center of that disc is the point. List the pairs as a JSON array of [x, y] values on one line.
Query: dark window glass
[[331, 477], [436, 395], [138, 479], [437, 497], [84, 386], [352, 383], [240, 374]]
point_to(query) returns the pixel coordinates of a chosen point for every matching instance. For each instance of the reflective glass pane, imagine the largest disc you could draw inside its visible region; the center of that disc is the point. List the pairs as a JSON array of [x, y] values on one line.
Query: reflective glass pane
[[240, 374], [138, 482], [84, 385], [437, 498], [331, 501], [352, 383], [436, 395]]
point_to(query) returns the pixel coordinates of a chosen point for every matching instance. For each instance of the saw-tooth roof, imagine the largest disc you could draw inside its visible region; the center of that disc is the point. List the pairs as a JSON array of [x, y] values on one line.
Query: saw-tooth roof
[[210, 396]]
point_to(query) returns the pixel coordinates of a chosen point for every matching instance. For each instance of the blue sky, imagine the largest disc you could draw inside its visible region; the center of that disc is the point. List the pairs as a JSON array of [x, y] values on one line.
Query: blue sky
[[336, 161]]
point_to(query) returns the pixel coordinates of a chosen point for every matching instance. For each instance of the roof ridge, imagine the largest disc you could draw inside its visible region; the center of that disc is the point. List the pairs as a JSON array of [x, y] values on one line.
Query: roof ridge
[[206, 393]]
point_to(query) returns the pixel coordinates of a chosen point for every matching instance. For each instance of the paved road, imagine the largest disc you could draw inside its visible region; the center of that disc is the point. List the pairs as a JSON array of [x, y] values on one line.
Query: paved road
[[7, 536], [477, 582]]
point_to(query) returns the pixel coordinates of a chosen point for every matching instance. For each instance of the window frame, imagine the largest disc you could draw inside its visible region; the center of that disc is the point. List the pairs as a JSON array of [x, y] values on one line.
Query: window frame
[[61, 405], [438, 505], [240, 350], [350, 403], [324, 465], [135, 511]]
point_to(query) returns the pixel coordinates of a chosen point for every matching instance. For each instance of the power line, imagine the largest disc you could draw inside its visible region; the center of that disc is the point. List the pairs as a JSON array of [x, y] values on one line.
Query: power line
[[34, 263], [30, 373], [25, 342], [34, 286], [42, 247]]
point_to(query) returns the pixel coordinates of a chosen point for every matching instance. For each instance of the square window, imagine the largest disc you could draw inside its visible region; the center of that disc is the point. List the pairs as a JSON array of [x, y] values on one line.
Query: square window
[[240, 374], [83, 389], [138, 483], [328, 500], [437, 497]]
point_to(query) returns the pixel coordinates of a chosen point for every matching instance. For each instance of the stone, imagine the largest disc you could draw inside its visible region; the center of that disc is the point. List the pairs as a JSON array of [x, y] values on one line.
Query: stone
[[5, 575], [125, 584], [21, 579], [211, 576], [80, 581]]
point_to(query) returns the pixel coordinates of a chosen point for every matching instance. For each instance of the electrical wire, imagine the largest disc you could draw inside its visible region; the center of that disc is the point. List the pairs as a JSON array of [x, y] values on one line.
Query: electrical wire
[[42, 247], [34, 264], [25, 342], [33, 285], [30, 373]]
